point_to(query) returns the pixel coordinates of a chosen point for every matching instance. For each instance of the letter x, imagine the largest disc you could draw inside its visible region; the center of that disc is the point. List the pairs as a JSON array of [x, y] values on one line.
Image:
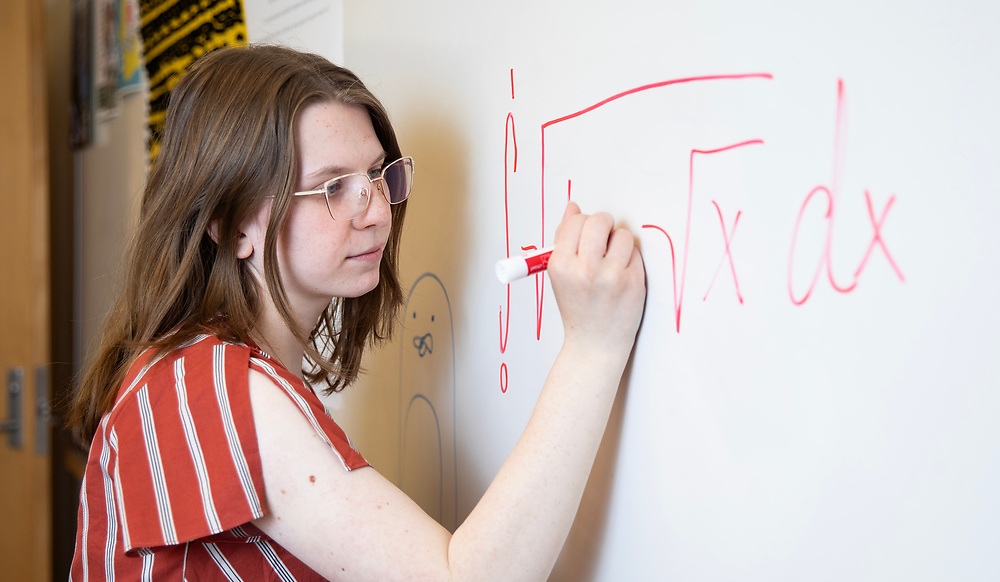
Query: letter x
[[877, 236], [727, 254]]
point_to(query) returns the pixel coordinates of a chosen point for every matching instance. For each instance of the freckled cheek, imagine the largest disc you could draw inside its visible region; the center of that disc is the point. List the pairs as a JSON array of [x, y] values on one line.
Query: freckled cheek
[[294, 252], [304, 230], [301, 254], [308, 249], [383, 208]]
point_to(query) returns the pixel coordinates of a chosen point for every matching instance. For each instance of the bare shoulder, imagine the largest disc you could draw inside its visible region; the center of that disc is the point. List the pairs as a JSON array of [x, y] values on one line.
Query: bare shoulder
[[312, 501]]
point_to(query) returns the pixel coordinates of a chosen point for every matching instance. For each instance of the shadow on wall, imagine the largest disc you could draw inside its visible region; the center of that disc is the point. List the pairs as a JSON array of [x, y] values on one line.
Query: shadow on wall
[[417, 403], [583, 545], [427, 398]]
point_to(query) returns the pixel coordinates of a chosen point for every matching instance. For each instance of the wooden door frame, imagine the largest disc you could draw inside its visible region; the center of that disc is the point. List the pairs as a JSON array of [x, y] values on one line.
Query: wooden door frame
[[68, 457], [25, 340]]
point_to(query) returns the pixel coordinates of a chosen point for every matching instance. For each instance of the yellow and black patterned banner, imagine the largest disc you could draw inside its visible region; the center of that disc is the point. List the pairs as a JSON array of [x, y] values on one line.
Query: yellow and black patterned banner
[[174, 34]]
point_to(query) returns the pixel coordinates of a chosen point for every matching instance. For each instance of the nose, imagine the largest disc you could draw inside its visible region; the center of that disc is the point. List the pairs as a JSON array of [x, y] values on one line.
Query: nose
[[378, 211]]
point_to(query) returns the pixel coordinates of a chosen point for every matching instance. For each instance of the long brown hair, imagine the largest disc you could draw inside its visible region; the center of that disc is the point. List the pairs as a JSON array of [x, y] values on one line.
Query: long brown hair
[[228, 147]]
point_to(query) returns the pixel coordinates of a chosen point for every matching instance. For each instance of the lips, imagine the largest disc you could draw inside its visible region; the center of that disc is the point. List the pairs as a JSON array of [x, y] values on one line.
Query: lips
[[372, 253]]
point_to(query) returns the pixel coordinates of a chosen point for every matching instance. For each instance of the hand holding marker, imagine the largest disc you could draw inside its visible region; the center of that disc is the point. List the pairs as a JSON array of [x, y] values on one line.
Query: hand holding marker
[[514, 268]]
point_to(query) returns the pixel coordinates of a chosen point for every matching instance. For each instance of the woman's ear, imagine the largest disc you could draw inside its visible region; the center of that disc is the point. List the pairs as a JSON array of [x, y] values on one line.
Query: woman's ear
[[213, 230], [244, 246]]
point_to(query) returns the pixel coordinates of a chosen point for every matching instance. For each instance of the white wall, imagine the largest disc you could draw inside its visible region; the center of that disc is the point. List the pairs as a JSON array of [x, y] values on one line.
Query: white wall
[[110, 175], [850, 437]]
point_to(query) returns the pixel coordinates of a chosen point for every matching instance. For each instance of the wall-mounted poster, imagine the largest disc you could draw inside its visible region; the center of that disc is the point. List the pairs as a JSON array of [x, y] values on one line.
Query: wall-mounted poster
[[174, 34], [130, 46], [107, 59]]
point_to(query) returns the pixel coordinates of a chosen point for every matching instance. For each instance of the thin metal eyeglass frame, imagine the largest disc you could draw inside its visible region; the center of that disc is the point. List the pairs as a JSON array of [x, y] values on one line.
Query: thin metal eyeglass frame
[[367, 191]]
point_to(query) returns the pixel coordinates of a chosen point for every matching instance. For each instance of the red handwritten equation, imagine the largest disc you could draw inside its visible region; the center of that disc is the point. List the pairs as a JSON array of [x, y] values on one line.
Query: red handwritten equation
[[829, 192]]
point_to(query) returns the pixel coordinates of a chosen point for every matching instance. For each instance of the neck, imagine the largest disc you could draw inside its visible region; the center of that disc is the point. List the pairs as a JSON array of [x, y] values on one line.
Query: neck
[[273, 336]]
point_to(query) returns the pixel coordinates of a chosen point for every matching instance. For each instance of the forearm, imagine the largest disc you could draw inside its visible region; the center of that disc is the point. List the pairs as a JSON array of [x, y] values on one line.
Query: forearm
[[518, 528]]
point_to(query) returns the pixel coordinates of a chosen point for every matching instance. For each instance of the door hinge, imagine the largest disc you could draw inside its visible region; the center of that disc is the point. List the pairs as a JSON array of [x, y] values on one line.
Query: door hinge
[[43, 410], [13, 425]]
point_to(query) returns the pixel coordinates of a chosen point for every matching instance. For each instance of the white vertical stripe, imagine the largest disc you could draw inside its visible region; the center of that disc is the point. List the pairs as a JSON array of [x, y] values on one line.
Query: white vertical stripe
[[301, 403], [194, 448], [272, 558], [150, 364], [147, 564], [232, 436], [220, 560], [83, 550], [109, 502], [119, 497], [156, 467]]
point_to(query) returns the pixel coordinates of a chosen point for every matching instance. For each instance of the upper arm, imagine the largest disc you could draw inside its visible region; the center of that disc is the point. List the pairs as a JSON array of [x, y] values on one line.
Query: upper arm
[[344, 524]]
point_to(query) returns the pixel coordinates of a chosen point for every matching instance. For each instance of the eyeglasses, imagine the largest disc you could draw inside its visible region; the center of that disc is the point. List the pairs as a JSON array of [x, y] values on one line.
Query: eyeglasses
[[347, 196]]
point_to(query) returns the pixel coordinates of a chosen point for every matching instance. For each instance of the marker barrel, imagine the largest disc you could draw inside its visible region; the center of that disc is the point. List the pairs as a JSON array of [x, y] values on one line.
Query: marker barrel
[[514, 268]]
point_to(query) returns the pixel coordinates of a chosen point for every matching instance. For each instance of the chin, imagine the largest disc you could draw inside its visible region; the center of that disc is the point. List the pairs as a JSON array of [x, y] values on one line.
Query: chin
[[362, 289]]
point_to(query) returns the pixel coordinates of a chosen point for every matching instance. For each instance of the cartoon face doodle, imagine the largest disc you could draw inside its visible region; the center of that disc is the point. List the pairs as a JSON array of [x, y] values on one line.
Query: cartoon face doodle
[[423, 343], [427, 448]]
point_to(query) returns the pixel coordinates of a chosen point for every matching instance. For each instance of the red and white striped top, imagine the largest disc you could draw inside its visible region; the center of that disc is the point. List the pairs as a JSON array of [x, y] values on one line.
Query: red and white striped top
[[174, 474]]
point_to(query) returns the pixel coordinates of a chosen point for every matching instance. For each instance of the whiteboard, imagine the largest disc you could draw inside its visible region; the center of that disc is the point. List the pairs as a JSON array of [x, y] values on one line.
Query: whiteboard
[[813, 393]]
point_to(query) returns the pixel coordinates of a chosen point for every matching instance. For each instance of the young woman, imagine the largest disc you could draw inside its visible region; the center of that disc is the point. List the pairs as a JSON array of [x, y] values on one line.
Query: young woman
[[264, 263]]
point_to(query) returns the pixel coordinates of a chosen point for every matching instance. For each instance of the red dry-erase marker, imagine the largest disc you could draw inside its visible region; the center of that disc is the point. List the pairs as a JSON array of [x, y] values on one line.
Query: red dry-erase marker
[[516, 268]]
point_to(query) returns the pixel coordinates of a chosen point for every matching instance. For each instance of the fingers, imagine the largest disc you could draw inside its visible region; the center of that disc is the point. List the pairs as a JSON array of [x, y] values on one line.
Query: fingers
[[598, 279], [596, 235], [621, 247], [568, 231], [593, 236], [571, 209]]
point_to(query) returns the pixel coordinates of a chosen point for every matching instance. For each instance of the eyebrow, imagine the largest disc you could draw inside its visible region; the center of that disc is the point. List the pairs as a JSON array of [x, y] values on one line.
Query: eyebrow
[[336, 171]]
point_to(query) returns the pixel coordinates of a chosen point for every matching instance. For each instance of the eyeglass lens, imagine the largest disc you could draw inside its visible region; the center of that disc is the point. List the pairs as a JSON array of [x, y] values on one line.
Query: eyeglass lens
[[399, 179], [347, 197]]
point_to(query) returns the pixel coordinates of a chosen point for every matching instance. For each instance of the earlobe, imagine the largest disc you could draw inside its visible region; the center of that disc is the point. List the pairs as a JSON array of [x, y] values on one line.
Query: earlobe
[[244, 247]]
